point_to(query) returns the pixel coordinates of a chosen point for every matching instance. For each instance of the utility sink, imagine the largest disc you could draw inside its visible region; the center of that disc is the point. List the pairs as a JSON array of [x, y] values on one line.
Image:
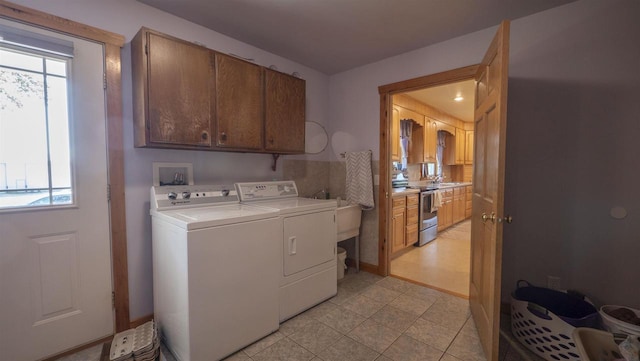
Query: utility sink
[[348, 219]]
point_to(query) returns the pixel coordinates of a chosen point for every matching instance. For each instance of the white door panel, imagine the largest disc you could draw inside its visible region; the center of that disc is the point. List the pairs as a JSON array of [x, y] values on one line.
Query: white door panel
[[55, 266], [306, 241]]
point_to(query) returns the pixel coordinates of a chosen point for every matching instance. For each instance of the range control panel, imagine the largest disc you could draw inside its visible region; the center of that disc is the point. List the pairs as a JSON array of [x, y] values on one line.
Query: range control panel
[[266, 190], [168, 197]]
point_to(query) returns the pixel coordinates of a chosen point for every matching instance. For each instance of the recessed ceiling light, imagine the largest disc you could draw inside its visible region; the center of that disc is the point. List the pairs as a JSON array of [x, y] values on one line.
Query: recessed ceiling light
[[458, 98]]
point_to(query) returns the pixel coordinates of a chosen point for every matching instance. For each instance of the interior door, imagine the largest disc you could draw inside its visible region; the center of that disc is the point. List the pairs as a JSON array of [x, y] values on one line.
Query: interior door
[[488, 190], [55, 265]]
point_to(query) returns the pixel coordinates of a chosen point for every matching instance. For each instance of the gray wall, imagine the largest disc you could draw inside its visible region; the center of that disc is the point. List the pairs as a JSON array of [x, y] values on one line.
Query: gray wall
[[572, 140], [573, 150]]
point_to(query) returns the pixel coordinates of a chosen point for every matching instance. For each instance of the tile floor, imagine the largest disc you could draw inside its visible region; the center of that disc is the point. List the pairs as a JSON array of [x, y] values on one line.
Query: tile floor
[[371, 318], [443, 263], [375, 318]]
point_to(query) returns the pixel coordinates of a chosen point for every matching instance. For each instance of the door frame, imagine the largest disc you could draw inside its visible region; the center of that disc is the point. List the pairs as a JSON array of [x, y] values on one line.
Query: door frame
[[112, 43], [384, 193]]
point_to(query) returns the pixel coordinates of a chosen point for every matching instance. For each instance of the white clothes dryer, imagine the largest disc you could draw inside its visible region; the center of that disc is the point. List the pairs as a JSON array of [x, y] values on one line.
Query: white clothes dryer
[[308, 243]]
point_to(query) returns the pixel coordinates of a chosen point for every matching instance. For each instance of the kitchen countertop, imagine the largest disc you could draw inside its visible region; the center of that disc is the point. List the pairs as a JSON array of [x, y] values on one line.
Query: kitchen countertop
[[407, 190], [404, 191]]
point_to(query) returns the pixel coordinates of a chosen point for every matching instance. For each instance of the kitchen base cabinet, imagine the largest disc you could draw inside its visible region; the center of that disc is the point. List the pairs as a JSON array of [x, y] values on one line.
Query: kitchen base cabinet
[[404, 222]]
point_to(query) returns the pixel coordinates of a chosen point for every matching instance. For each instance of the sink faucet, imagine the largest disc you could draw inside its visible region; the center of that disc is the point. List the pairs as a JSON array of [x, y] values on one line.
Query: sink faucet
[[323, 191]]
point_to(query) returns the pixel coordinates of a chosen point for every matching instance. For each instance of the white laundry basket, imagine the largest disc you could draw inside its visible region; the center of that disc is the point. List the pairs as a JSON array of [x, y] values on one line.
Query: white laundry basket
[[342, 256]]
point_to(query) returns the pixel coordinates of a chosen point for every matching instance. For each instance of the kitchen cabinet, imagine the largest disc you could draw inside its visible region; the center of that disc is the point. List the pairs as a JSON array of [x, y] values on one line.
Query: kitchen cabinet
[[239, 103], [468, 147], [430, 140], [459, 204], [172, 95], [412, 219], [186, 96], [455, 148], [395, 135], [398, 223], [468, 201], [284, 112], [445, 212], [404, 222]]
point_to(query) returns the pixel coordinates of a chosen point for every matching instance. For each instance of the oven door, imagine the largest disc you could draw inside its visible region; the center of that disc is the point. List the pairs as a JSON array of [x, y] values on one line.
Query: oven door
[[427, 217]]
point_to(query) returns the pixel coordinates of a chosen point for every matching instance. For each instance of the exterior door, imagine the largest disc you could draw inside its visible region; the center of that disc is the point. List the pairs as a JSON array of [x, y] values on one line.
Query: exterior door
[[488, 191], [55, 266]]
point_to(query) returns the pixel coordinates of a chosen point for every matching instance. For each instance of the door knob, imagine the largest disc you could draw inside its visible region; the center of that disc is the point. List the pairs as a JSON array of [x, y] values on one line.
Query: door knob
[[506, 219], [486, 217]]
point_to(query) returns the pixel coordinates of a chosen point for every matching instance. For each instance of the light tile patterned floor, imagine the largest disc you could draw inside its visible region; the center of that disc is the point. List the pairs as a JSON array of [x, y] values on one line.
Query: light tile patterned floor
[[372, 318], [375, 318], [443, 263]]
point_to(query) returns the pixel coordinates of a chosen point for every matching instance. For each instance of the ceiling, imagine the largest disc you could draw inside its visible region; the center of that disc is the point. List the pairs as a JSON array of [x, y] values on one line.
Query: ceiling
[[441, 98], [332, 36]]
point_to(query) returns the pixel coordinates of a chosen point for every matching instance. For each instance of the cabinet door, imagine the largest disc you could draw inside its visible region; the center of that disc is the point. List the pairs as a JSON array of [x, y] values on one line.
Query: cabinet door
[[284, 112], [239, 104], [179, 92], [460, 140], [395, 135], [459, 205], [468, 147], [398, 225], [430, 140]]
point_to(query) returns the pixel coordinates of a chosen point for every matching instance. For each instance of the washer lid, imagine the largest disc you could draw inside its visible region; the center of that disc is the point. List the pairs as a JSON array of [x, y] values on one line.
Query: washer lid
[[203, 217]]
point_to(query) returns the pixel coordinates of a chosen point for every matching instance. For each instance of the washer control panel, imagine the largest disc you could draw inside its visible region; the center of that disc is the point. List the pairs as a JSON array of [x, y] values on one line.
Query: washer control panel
[[168, 197]]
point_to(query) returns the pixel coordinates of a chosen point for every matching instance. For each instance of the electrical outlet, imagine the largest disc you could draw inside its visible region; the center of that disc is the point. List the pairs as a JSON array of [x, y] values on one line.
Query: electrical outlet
[[553, 282]]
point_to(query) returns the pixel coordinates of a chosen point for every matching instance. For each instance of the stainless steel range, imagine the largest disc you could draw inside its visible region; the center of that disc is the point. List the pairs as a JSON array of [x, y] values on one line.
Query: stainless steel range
[[428, 217]]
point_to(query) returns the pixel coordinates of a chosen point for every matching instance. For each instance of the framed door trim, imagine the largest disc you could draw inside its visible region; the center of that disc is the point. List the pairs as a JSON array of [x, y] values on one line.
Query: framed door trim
[[112, 43], [386, 92]]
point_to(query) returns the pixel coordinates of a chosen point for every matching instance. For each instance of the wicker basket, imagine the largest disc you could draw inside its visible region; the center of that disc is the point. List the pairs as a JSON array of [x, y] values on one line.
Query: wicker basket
[[542, 331]]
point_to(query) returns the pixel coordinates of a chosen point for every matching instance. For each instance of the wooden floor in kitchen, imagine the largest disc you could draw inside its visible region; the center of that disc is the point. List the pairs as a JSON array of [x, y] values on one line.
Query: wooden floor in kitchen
[[442, 264]]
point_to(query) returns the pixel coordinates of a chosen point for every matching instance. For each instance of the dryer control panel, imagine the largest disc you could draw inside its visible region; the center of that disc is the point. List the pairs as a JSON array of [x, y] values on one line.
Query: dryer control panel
[[266, 190]]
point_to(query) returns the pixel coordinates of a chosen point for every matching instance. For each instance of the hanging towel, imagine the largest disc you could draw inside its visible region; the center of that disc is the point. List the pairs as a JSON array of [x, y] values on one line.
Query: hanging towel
[[437, 201], [360, 179]]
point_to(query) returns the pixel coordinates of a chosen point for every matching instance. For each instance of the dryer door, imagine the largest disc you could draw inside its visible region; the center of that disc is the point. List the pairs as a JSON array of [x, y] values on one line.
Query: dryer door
[[309, 240]]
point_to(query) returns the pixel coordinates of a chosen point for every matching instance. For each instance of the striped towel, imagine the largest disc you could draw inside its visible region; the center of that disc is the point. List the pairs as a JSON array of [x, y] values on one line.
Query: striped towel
[[360, 179]]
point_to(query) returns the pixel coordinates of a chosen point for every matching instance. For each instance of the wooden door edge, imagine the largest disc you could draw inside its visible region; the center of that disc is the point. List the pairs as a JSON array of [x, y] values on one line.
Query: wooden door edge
[[386, 93]]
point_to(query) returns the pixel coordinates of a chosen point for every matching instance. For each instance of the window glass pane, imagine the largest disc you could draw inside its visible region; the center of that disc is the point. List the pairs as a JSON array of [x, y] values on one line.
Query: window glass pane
[[20, 60], [56, 67], [59, 132], [35, 167]]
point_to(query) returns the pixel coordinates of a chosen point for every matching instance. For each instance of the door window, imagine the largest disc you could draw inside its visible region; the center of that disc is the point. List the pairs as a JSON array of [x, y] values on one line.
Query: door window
[[35, 162]]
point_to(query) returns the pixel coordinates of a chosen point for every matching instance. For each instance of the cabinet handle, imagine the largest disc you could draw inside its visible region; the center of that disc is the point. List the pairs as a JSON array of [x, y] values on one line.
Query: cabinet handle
[[204, 135], [271, 140], [223, 137]]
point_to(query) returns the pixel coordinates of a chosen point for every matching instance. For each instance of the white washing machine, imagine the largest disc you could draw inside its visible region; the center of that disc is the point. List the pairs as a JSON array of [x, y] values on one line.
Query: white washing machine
[[216, 270], [308, 235]]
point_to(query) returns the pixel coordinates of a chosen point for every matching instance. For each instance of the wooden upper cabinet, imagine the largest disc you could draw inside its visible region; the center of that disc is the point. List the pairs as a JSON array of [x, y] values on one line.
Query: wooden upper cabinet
[[239, 104], [468, 147], [430, 140], [172, 95], [395, 135], [460, 140], [284, 112]]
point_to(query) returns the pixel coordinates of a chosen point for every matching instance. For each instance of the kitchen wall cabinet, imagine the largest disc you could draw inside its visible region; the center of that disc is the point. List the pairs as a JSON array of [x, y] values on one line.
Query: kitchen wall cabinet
[[398, 223], [430, 140], [454, 150], [186, 94], [395, 135], [468, 147], [172, 95], [284, 112]]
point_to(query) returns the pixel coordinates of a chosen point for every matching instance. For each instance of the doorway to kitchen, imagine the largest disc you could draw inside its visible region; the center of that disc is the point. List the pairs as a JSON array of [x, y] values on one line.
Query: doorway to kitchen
[[432, 129]]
